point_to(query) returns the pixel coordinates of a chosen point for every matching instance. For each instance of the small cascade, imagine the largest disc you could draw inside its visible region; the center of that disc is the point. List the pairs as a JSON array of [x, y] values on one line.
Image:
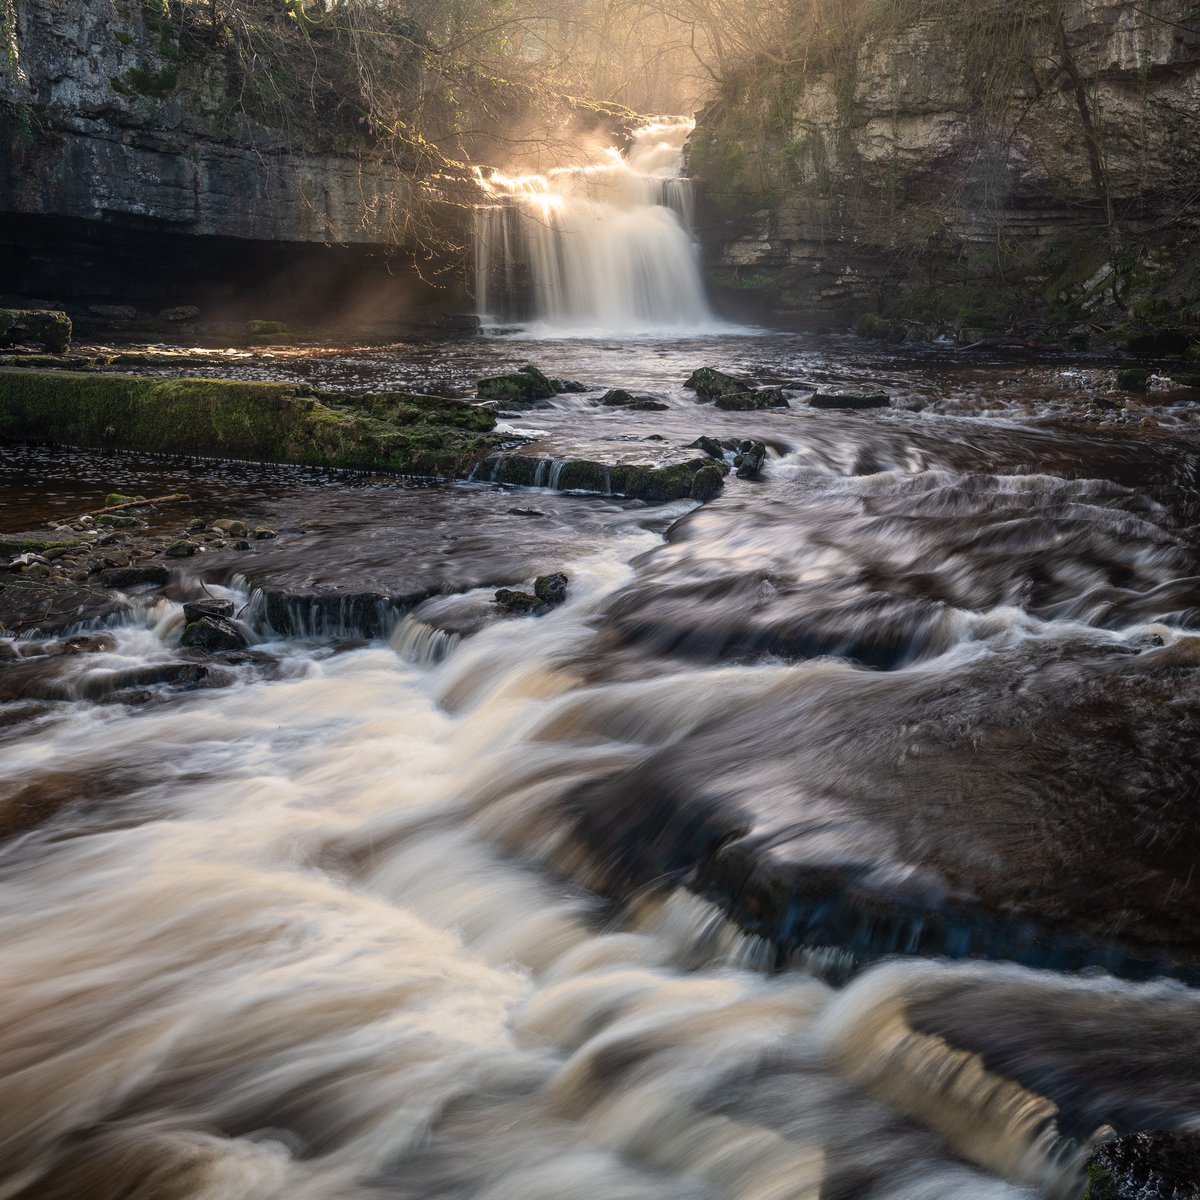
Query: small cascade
[[607, 247]]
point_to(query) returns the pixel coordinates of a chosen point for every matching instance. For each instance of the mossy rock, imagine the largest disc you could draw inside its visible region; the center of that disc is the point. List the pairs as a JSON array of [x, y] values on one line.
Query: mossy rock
[[1133, 379], [708, 383], [882, 329], [113, 499], [40, 326], [258, 422], [525, 386], [13, 544], [257, 329]]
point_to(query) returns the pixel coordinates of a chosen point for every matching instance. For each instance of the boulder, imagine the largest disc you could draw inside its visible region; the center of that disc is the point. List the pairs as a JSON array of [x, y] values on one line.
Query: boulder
[[709, 383], [710, 446], [232, 528], [183, 548], [521, 603], [707, 483], [520, 387], [1145, 1166], [194, 610], [114, 312], [569, 386], [551, 589], [42, 326], [214, 634], [182, 312], [749, 462], [1133, 379], [634, 401]]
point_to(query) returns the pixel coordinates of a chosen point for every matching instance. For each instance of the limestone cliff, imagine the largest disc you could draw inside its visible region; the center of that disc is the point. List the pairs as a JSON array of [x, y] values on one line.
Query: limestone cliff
[[1023, 156], [131, 171]]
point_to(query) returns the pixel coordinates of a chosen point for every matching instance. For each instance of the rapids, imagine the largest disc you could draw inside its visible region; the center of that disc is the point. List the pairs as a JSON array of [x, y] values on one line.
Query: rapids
[[832, 841]]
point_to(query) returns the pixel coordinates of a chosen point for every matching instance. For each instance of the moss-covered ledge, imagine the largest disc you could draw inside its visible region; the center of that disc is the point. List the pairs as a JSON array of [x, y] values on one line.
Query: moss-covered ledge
[[259, 422]]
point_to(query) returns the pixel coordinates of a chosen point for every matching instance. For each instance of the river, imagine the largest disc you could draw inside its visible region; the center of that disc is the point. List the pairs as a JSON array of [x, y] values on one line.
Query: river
[[835, 838], [386, 919]]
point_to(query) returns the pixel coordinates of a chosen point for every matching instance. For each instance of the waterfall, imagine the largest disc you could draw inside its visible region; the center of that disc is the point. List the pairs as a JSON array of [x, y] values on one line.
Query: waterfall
[[607, 247]]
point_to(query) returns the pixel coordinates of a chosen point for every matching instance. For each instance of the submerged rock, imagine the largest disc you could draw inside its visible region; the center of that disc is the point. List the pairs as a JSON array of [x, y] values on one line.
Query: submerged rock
[[1145, 1166], [709, 383], [750, 401], [634, 401], [214, 634], [637, 481], [232, 528], [524, 386], [750, 461], [851, 400], [551, 589], [35, 607]]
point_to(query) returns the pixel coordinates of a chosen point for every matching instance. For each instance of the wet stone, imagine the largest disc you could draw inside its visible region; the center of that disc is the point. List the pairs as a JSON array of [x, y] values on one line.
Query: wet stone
[[214, 634], [521, 603], [749, 463], [551, 589], [152, 574], [194, 610], [1146, 1166], [709, 383], [232, 528], [184, 548]]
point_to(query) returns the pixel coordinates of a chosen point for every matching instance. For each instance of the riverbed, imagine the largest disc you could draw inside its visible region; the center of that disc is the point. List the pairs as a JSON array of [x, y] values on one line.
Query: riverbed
[[834, 839]]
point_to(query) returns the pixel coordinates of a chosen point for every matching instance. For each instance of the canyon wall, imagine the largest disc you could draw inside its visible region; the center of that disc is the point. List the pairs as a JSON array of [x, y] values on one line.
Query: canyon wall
[[964, 172], [130, 173]]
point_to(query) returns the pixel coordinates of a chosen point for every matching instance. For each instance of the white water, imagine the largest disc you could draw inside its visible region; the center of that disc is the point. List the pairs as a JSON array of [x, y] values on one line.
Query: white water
[[306, 950], [603, 248]]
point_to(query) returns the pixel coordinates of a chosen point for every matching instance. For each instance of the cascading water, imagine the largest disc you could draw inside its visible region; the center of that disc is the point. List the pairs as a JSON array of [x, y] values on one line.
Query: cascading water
[[607, 247]]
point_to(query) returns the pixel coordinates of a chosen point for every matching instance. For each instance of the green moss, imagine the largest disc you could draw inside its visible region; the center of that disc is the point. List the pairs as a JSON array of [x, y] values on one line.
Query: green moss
[[42, 326], [115, 498], [1101, 1185], [871, 325], [13, 544], [142, 81], [1133, 379], [261, 422]]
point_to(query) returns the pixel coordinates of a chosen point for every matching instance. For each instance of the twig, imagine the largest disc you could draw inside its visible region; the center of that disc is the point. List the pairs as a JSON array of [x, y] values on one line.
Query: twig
[[173, 498]]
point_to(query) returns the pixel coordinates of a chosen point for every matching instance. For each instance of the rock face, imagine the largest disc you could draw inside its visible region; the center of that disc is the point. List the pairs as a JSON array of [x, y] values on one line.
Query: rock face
[[901, 158], [120, 137], [119, 150]]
